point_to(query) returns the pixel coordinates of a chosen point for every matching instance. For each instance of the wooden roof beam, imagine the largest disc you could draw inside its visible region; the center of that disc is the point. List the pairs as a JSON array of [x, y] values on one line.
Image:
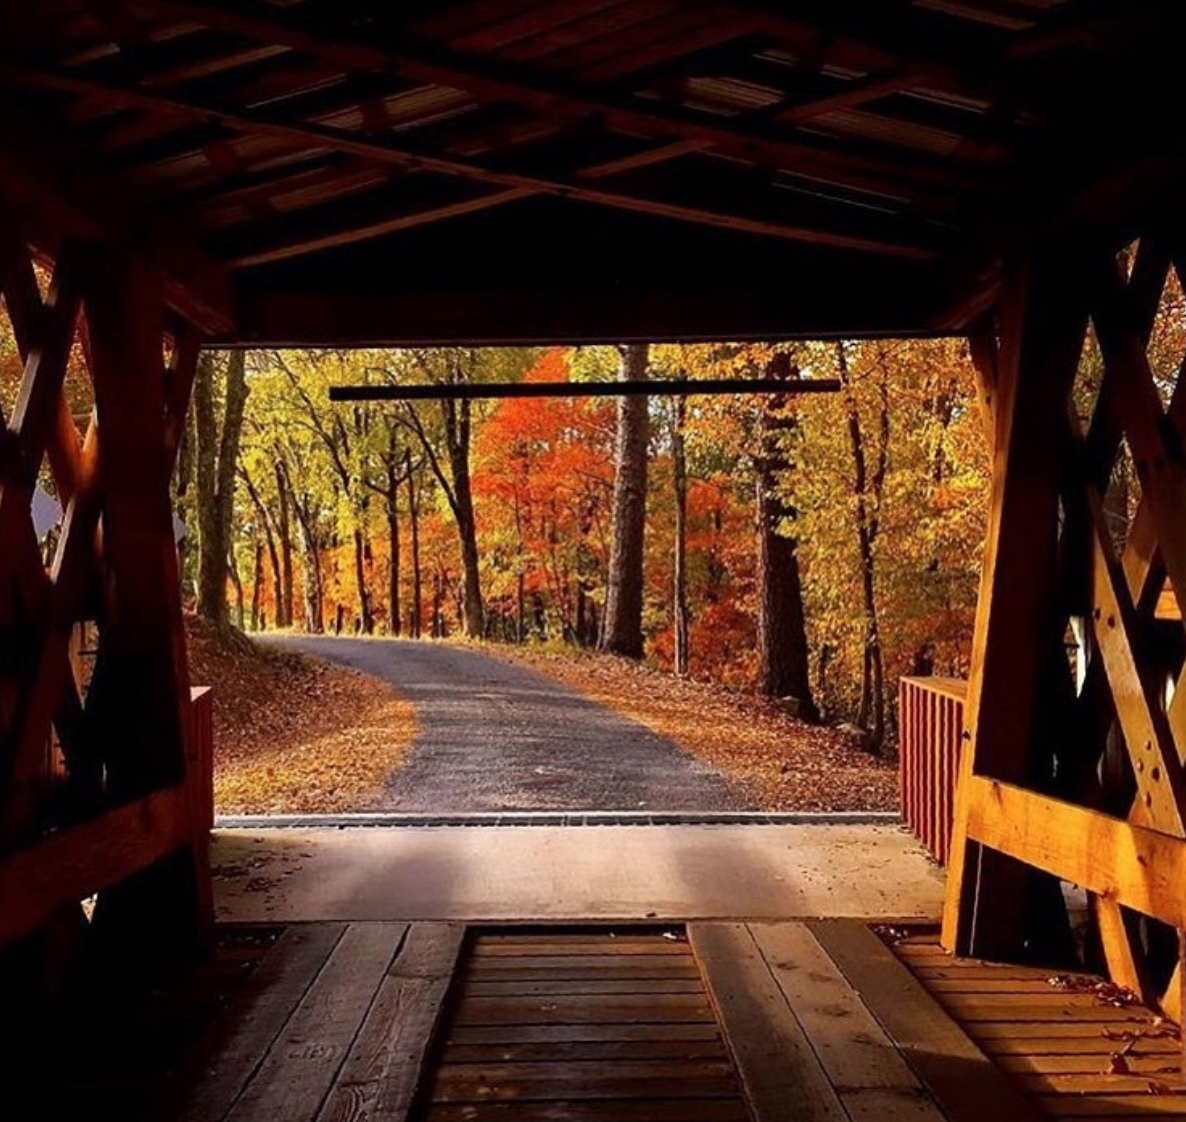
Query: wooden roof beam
[[486, 79], [888, 72], [403, 155], [60, 204]]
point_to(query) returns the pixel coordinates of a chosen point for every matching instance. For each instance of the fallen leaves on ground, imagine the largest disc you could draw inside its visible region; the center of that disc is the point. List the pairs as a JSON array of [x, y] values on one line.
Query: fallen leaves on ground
[[781, 763], [293, 735]]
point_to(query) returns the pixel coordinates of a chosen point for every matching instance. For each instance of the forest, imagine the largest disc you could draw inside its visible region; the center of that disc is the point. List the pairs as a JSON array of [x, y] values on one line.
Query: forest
[[811, 547]]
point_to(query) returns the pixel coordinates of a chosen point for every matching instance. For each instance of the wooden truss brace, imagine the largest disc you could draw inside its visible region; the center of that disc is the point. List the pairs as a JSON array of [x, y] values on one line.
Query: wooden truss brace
[[115, 534], [1002, 824]]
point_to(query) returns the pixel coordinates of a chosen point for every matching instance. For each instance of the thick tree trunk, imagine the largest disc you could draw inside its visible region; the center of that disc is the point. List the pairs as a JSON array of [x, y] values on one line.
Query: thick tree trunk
[[311, 577], [457, 437], [211, 576], [284, 594], [415, 620], [782, 624], [622, 625], [183, 477], [871, 711], [679, 475], [264, 517], [217, 459]]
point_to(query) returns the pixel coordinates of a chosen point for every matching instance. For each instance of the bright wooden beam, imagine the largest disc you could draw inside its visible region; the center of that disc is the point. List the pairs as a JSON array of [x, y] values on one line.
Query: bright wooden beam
[[403, 155], [1139, 868]]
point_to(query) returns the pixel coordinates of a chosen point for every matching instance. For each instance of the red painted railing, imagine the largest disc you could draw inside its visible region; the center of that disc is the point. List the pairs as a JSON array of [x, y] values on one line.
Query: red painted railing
[[930, 724]]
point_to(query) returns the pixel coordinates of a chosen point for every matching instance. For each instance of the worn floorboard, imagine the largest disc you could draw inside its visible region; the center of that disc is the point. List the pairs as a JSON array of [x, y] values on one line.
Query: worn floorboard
[[581, 1025], [1077, 1048], [791, 1021]]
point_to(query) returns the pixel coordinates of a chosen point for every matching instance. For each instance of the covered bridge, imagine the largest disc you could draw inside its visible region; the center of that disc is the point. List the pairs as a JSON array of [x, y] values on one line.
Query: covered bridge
[[307, 172]]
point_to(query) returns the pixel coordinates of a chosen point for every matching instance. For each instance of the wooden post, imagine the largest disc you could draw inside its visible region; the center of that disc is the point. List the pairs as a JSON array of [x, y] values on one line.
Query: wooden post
[[140, 694], [1042, 322]]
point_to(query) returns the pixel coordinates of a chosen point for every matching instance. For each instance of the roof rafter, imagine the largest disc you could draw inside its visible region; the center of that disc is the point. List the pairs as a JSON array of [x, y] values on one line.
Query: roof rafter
[[356, 228], [484, 78], [388, 151], [58, 207]]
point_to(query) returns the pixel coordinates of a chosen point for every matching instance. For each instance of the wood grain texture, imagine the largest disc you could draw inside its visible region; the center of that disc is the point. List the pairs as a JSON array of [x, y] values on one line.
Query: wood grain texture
[[383, 1071], [88, 857], [1139, 868], [782, 1075], [958, 1074], [869, 1074], [598, 1025], [1076, 1047], [255, 1018], [302, 1065]]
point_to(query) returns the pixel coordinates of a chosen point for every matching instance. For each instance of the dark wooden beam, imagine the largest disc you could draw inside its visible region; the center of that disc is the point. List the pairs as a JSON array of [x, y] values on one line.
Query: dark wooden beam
[[402, 154], [256, 189], [332, 315], [485, 78], [670, 387], [81, 860], [57, 204], [353, 230]]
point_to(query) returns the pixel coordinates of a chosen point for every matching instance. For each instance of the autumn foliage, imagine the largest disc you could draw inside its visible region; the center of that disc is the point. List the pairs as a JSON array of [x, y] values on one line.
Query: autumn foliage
[[541, 476]]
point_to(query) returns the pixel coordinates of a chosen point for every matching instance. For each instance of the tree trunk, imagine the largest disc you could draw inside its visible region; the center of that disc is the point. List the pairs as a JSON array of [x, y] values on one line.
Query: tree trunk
[[217, 459], [782, 625], [232, 569], [679, 475], [265, 521], [183, 477], [284, 592], [394, 624], [622, 625], [520, 611], [457, 438], [415, 625], [257, 585], [366, 619], [871, 711], [438, 628], [311, 577]]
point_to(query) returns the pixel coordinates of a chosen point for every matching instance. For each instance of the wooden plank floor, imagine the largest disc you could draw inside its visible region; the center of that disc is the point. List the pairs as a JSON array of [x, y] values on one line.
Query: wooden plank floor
[[591, 1024], [817, 1021], [1075, 1046]]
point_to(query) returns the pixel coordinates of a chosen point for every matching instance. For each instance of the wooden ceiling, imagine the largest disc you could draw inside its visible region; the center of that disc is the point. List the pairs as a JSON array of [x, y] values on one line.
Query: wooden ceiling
[[358, 171]]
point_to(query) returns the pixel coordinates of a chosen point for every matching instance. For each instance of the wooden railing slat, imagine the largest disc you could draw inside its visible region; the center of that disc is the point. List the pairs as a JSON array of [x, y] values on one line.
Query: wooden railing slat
[[931, 718]]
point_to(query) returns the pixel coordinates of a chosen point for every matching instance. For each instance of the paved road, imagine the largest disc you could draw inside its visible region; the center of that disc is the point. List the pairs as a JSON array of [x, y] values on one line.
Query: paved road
[[499, 737]]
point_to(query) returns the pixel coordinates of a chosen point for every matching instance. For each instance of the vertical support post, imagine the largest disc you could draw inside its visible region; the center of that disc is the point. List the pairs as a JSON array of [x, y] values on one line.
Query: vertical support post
[[140, 696], [1042, 325]]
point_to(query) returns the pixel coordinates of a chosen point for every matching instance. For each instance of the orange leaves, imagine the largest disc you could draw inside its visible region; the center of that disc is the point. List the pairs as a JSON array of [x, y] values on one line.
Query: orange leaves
[[294, 735]]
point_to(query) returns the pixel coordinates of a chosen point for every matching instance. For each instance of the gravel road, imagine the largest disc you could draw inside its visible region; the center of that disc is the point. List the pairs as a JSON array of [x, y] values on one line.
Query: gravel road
[[500, 737]]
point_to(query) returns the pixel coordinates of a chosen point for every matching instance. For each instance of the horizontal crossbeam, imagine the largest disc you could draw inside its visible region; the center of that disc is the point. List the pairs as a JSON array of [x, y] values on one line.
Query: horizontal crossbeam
[[81, 860], [1137, 867], [671, 387]]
